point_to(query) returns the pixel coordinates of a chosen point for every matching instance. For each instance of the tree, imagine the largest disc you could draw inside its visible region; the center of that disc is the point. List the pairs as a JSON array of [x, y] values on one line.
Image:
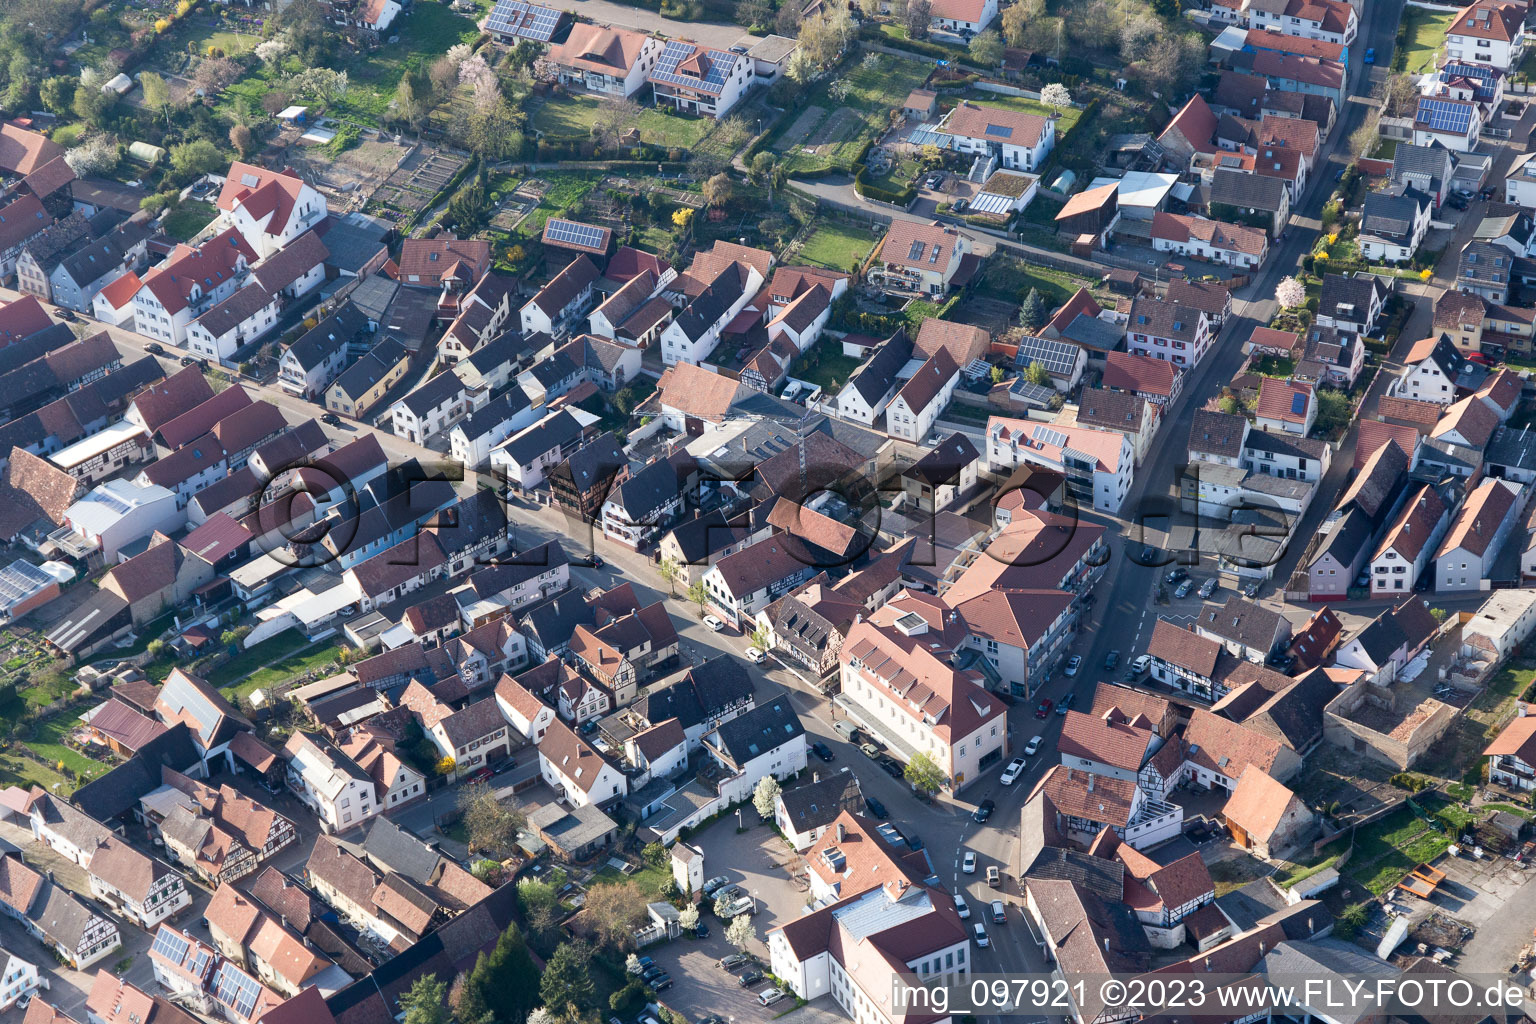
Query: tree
[[669, 570], [445, 766], [717, 190], [426, 1001], [1166, 9], [997, 374], [91, 104], [765, 795], [242, 139], [468, 1002], [1400, 93], [698, 594], [632, 964], [157, 95], [740, 932], [1037, 374], [615, 119], [492, 828], [96, 154], [1172, 63], [925, 776], [1016, 19], [987, 49], [214, 75], [1056, 96], [412, 98], [722, 901], [1363, 139], [614, 912], [688, 917], [57, 94], [566, 986], [193, 159], [1096, 25], [541, 1016], [1229, 405], [1033, 313], [916, 17], [1290, 293]]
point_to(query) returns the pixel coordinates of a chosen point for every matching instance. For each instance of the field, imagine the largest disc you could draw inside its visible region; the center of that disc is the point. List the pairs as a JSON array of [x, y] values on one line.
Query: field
[[837, 246], [842, 113], [284, 657], [1011, 279], [565, 189], [1386, 850], [1423, 35], [188, 219], [571, 116], [48, 742]]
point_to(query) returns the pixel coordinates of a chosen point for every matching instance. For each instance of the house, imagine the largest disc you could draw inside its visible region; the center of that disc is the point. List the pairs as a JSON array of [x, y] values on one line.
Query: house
[[1394, 223], [694, 333], [260, 941], [766, 741], [1122, 412], [525, 458], [699, 79], [329, 782], [269, 209], [1436, 371], [642, 506], [1512, 755], [921, 400], [1091, 215], [1389, 642], [1331, 20], [1409, 542], [963, 18], [471, 440], [574, 769], [1155, 380], [919, 258], [483, 315], [1082, 805], [1191, 132], [956, 722], [1012, 443], [443, 262], [1464, 560], [1352, 303], [363, 385], [471, 738], [805, 812], [1242, 197], [75, 931], [1488, 32], [190, 700], [575, 835], [69, 263], [1267, 818], [164, 576], [1235, 245], [563, 301], [742, 584], [139, 888], [874, 383], [1010, 139], [583, 482], [191, 281], [431, 409], [942, 475], [1245, 629], [612, 61], [512, 20], [1287, 406], [1469, 423], [1167, 330], [310, 364], [1453, 123]]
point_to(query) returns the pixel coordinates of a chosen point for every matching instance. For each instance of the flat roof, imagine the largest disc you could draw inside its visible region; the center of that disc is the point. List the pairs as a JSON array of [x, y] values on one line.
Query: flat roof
[[98, 443]]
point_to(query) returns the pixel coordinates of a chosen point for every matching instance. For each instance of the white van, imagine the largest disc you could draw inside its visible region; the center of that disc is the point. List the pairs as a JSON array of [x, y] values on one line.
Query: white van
[[981, 936]]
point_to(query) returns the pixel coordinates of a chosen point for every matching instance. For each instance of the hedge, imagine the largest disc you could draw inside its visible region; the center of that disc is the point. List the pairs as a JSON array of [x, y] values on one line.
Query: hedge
[[871, 32]]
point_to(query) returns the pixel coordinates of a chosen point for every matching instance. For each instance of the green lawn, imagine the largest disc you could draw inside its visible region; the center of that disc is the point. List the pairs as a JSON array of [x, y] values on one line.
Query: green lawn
[[48, 742], [825, 365], [1387, 850], [1424, 32], [838, 246], [1011, 279], [571, 116], [874, 86], [23, 771], [284, 657], [649, 878], [188, 219], [566, 189]]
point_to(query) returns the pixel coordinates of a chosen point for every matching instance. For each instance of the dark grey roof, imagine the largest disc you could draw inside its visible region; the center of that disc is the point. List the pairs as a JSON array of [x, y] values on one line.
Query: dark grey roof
[[1091, 332], [646, 491], [702, 691], [705, 534], [1435, 161], [756, 732], [877, 376], [356, 380], [60, 916], [1102, 876], [1392, 213], [117, 793], [91, 621], [1244, 622], [554, 370], [552, 621], [1449, 456], [819, 803], [1217, 433], [595, 462], [550, 433], [235, 310], [1509, 447], [1248, 191], [1252, 903], [711, 306], [445, 387], [495, 412], [390, 847], [1381, 636], [1285, 444], [1349, 298], [510, 570], [1485, 263], [944, 462], [503, 351], [1349, 534], [329, 336], [353, 240], [470, 521], [374, 295]]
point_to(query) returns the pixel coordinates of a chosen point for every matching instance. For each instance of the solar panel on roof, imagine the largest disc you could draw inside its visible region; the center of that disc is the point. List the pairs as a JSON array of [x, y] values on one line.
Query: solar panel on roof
[[525, 20], [1049, 435], [1298, 403], [236, 989], [1444, 115], [170, 945], [1000, 130], [916, 252], [717, 68], [21, 579], [1057, 357], [570, 232]]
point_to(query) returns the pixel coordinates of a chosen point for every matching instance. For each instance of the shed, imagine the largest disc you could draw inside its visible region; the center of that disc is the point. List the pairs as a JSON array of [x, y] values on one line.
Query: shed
[[293, 115], [921, 104]]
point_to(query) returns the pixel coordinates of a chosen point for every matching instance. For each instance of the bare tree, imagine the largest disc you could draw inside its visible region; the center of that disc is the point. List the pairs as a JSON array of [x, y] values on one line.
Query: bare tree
[[614, 912], [614, 120], [917, 16]]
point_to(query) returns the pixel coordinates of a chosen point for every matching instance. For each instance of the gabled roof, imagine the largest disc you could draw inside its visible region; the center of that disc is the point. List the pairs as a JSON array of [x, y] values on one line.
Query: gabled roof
[[607, 51], [1478, 520]]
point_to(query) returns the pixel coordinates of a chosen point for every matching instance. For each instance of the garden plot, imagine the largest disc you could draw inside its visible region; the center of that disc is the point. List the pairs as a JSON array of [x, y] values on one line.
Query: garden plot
[[417, 181], [842, 113], [363, 169]]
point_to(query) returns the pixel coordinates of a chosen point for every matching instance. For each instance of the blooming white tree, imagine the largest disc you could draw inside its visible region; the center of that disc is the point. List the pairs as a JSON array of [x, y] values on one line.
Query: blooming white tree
[[688, 917], [765, 795], [271, 51], [740, 933], [96, 154], [632, 963], [1290, 293], [1056, 96]]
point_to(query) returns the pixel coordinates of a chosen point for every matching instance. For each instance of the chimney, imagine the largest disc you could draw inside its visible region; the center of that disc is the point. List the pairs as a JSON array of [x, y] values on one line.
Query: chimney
[[841, 832], [1090, 782]]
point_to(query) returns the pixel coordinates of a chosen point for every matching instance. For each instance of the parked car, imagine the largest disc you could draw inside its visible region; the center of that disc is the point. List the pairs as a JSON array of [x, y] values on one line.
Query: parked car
[[1111, 660], [735, 961], [738, 906], [999, 916], [846, 729], [1073, 664], [870, 751], [480, 775], [994, 877], [713, 623], [749, 979], [756, 656], [66, 315], [823, 751], [770, 996], [891, 767], [1032, 747], [914, 842], [968, 865], [1208, 588], [962, 909], [1065, 704], [1044, 709], [1370, 55], [1148, 555], [984, 811], [701, 930], [1184, 588], [876, 808], [154, 348], [1176, 575], [731, 892], [1142, 663], [981, 935], [1251, 590], [1013, 771], [660, 983]]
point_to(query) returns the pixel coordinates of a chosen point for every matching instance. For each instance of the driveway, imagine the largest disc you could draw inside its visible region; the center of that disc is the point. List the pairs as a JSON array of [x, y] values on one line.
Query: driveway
[[625, 16]]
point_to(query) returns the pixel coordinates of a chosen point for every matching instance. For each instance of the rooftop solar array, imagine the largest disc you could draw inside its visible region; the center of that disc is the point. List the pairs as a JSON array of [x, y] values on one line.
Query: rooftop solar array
[[717, 67], [524, 20], [170, 945], [236, 989], [21, 580], [574, 233], [1298, 402], [1057, 357], [1444, 115], [1001, 131], [1484, 79]]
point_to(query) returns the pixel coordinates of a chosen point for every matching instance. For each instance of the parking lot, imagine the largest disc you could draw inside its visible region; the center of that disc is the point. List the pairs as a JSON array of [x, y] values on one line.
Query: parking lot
[[762, 864]]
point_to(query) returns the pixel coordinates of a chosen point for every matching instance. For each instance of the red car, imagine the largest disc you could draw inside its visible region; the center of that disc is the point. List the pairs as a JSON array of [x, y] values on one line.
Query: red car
[[1044, 709], [483, 775]]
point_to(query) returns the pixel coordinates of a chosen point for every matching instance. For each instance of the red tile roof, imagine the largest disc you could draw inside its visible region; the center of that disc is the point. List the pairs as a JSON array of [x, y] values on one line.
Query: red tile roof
[[1277, 400], [1126, 371]]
